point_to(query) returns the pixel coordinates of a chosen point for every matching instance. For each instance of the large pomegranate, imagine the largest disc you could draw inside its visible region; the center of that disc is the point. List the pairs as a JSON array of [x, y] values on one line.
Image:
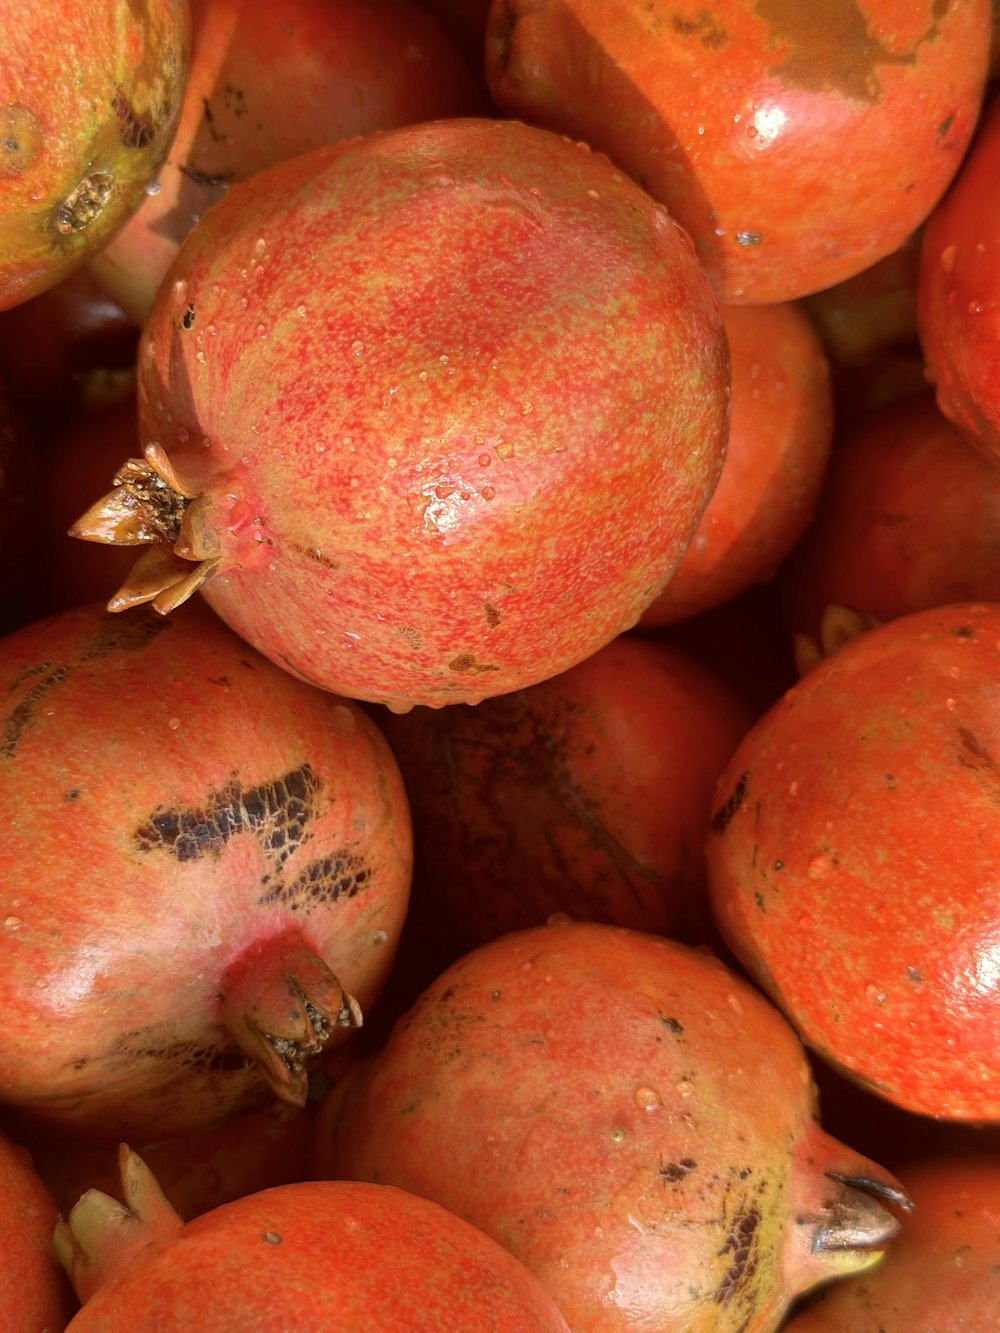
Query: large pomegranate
[[798, 141], [853, 859], [203, 873], [629, 1117], [91, 98], [317, 1256], [428, 416]]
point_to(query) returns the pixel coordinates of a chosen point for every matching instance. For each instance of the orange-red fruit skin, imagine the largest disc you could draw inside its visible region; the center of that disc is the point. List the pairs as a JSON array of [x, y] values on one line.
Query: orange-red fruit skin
[[852, 859], [35, 1296]]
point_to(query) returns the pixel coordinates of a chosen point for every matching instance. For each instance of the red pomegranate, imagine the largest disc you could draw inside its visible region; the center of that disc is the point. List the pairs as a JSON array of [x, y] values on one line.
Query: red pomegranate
[[429, 416], [238, 849], [588, 794], [91, 98], [34, 1294], [852, 859], [942, 1275], [319, 1257], [268, 81], [798, 143], [629, 1117]]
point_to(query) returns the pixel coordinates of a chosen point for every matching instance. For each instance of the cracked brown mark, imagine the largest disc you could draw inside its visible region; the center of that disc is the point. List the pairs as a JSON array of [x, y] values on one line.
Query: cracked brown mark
[[24, 712], [826, 46], [21, 139], [703, 27], [410, 636], [317, 557], [135, 129], [276, 813], [116, 635], [493, 616], [674, 1171], [321, 883], [466, 664], [974, 754], [84, 204], [742, 1243], [724, 815]]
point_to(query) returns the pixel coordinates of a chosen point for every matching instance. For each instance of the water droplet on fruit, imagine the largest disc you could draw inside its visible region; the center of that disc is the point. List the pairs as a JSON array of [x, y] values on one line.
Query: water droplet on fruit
[[487, 492], [874, 994], [734, 1003], [152, 188], [683, 1088], [261, 330], [948, 256], [484, 460], [357, 348], [13, 922], [174, 723], [820, 866], [180, 291], [505, 450], [647, 1099], [201, 358], [300, 311]]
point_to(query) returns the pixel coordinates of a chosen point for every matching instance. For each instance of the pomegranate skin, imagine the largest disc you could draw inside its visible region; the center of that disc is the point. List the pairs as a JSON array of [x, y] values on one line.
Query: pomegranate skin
[[34, 1294], [629, 1117], [450, 399], [852, 859], [319, 1257], [231, 838]]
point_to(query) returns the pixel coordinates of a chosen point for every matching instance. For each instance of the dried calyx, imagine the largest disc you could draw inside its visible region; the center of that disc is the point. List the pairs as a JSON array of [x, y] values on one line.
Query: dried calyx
[[149, 504]]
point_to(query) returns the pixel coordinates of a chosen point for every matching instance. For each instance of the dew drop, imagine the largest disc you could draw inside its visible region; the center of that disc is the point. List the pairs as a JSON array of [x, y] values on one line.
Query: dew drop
[[734, 1003], [684, 1088], [948, 256], [152, 188], [505, 451], [261, 330], [820, 867], [174, 723], [484, 460], [488, 492], [874, 995], [13, 922], [357, 348], [647, 1099]]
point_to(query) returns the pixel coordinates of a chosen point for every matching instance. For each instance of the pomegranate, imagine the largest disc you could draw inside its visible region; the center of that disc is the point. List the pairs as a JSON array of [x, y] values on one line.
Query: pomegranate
[[907, 520], [942, 1275], [629, 1117], [319, 1257], [429, 416], [780, 431], [92, 95], [268, 81], [957, 293], [589, 794], [852, 859], [238, 847], [798, 143], [34, 1294]]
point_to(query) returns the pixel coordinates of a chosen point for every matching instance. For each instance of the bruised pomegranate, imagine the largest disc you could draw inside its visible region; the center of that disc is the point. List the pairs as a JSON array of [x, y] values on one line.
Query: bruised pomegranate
[[203, 874], [942, 1275], [852, 859], [91, 98], [628, 1117], [318, 1256], [429, 416], [268, 81]]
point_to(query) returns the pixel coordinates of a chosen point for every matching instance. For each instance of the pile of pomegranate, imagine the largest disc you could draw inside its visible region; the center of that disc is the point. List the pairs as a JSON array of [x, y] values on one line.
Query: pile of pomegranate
[[499, 658]]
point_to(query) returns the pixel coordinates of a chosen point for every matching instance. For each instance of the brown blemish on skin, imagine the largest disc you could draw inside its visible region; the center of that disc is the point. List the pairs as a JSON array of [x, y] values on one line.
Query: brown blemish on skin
[[703, 27], [276, 813], [675, 1171], [723, 816], [493, 616], [135, 129], [742, 1244], [413, 637], [20, 139], [973, 754], [467, 665], [85, 204], [24, 712], [826, 46], [321, 884]]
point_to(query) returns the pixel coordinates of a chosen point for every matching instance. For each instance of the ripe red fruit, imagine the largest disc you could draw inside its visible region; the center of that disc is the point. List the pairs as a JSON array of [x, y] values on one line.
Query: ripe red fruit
[[852, 859], [588, 794], [626, 1115], [780, 431], [942, 1274], [957, 293], [269, 81], [433, 414], [34, 1294], [238, 849], [91, 96], [797, 143], [318, 1256]]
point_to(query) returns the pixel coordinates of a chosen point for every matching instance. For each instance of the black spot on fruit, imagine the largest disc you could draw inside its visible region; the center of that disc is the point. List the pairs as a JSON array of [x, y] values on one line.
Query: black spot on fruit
[[723, 816], [276, 812], [23, 714], [322, 883]]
